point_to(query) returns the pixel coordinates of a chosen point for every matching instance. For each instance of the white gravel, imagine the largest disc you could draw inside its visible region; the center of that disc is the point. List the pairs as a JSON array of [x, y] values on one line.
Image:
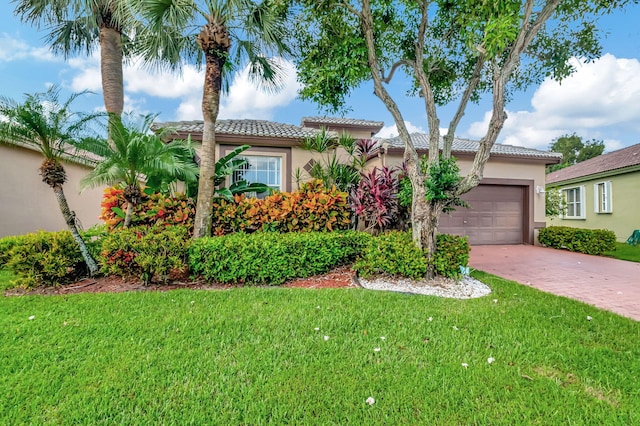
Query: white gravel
[[465, 288]]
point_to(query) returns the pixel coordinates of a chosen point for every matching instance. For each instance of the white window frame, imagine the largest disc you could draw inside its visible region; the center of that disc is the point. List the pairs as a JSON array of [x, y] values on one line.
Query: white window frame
[[602, 197], [274, 185], [583, 210]]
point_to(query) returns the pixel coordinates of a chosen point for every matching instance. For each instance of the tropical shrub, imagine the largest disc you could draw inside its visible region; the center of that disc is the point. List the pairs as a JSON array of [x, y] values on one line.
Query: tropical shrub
[[392, 253], [154, 210], [311, 208], [272, 258], [452, 253], [149, 253], [45, 258], [589, 241], [6, 244], [375, 199]]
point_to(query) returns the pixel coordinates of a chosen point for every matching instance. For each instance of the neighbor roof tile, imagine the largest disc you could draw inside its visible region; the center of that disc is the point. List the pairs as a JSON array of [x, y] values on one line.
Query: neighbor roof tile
[[626, 157]]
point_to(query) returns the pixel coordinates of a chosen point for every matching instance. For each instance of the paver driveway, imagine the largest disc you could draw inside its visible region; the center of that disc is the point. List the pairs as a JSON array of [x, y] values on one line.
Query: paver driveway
[[603, 282]]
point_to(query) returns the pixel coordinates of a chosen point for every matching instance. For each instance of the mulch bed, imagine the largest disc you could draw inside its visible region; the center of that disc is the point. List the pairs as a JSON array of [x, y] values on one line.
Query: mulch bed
[[337, 278]]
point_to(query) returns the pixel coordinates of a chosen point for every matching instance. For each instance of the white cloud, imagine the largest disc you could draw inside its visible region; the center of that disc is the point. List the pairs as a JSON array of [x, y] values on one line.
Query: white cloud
[[15, 49], [600, 100], [246, 100]]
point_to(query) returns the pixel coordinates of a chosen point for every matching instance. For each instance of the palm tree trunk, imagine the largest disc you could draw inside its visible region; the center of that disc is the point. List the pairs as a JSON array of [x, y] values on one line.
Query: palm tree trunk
[[69, 218], [210, 108], [111, 70], [128, 215]]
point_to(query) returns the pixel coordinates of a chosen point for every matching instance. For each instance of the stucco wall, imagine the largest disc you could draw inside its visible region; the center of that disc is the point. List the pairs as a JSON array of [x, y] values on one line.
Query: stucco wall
[[27, 204], [497, 168], [625, 217]]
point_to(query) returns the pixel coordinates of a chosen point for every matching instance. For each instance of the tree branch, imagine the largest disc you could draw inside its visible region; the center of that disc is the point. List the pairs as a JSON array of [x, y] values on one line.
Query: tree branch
[[394, 67], [425, 86], [473, 83], [501, 76]]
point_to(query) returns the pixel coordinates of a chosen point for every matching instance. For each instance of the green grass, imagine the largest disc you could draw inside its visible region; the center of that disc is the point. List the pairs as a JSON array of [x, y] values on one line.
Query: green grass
[[625, 251], [252, 356]]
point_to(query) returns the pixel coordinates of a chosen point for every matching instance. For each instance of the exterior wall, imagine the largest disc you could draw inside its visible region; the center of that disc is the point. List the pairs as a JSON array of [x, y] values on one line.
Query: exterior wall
[[624, 218], [498, 168], [27, 204]]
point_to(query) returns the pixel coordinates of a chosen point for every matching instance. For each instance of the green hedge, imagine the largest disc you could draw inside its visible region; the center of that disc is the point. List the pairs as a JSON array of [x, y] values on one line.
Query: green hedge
[[453, 252], [44, 258], [394, 253], [6, 244], [589, 241], [150, 253], [272, 258]]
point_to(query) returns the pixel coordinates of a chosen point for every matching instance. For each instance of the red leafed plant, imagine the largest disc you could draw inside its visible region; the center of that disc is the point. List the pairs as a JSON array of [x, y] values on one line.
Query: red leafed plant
[[375, 200]]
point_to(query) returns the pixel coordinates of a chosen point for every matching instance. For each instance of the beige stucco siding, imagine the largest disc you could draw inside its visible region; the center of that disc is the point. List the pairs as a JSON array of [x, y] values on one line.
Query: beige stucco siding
[[497, 168], [27, 204], [624, 218]]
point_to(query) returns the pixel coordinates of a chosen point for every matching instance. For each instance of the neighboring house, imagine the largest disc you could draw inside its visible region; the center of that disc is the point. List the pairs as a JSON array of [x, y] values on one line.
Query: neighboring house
[[601, 193], [507, 208], [27, 204]]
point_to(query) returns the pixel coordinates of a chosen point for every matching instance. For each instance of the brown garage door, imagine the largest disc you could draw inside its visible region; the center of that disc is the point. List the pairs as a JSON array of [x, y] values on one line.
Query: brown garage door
[[495, 215]]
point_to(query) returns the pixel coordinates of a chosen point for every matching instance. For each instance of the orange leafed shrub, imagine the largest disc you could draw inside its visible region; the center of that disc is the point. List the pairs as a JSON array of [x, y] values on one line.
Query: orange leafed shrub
[[312, 208], [155, 209]]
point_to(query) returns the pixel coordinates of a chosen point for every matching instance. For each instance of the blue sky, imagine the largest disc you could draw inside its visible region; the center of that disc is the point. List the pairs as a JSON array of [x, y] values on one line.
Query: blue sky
[[600, 100]]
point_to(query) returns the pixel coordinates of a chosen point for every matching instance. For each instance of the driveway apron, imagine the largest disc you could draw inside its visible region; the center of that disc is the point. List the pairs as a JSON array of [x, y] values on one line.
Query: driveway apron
[[607, 283]]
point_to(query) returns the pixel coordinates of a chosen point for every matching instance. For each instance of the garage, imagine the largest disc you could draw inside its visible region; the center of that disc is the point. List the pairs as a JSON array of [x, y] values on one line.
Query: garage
[[496, 215]]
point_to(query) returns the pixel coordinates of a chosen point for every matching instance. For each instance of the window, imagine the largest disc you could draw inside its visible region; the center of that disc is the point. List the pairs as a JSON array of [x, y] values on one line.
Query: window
[[260, 169], [602, 200], [574, 200]]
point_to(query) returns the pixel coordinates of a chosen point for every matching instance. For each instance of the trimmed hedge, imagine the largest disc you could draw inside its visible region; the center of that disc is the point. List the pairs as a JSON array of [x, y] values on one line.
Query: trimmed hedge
[[394, 253], [589, 241], [272, 258], [452, 252], [47, 258], [6, 244], [150, 253]]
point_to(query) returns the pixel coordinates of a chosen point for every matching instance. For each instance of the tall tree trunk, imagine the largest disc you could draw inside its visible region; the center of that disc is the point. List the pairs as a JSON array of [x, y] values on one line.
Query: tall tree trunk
[[69, 218], [111, 71], [210, 108], [420, 208]]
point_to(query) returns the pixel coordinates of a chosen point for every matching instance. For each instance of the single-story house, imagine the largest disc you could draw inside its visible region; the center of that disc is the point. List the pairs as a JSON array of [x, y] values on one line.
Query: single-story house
[[27, 204], [507, 208], [601, 193]]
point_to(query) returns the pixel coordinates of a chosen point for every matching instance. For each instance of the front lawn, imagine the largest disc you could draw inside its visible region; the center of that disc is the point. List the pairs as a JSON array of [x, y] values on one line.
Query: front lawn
[[625, 251], [254, 356]]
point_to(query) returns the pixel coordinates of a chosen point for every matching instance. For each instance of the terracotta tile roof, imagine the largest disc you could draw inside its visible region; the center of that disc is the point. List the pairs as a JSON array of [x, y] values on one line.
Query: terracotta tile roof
[[342, 121], [626, 157], [467, 146], [69, 153], [244, 128]]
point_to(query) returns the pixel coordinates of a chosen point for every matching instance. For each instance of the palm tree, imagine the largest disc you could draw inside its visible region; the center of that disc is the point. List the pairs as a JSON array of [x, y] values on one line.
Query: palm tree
[[223, 33], [135, 154], [75, 26], [44, 122]]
